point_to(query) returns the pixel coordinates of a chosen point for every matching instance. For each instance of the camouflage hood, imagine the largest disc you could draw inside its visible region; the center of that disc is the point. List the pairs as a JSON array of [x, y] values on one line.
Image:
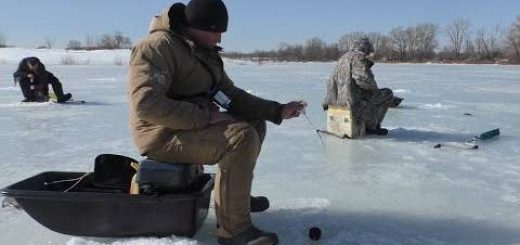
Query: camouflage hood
[[363, 45]]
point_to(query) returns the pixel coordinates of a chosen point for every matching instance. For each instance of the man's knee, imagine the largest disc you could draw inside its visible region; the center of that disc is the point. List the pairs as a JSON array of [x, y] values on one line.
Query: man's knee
[[386, 93], [261, 128], [246, 139], [382, 96], [54, 81], [245, 147]]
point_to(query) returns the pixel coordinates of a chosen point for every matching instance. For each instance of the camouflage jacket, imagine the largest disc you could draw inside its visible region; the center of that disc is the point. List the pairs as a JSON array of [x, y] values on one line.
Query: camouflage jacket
[[351, 81]]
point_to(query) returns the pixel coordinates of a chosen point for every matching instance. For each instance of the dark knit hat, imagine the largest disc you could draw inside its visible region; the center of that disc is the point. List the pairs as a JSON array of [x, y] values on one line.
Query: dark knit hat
[[207, 15]]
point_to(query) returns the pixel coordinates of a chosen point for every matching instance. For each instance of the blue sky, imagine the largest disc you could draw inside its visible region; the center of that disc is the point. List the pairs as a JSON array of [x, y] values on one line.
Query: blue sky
[[260, 24]]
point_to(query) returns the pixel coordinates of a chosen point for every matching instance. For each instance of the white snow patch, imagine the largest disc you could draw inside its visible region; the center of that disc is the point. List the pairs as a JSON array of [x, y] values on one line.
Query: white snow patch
[[108, 79], [9, 89], [401, 91], [60, 56], [303, 203], [134, 241], [437, 106], [25, 104]]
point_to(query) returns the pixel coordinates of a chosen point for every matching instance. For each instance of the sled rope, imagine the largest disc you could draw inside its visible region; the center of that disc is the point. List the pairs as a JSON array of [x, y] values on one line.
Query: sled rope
[[79, 179]]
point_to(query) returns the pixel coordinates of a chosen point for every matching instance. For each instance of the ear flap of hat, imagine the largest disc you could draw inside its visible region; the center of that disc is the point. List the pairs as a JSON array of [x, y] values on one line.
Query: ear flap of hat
[[177, 17]]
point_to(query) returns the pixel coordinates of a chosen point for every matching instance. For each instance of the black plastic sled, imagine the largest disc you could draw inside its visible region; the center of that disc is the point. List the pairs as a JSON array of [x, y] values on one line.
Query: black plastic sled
[[60, 202]]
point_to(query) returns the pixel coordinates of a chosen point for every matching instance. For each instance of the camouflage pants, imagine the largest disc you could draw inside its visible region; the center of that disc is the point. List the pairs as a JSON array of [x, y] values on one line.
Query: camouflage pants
[[235, 146], [375, 105]]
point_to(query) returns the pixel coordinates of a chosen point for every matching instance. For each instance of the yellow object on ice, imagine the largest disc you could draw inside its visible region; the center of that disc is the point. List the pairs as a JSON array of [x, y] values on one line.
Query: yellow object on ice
[[340, 122], [134, 187]]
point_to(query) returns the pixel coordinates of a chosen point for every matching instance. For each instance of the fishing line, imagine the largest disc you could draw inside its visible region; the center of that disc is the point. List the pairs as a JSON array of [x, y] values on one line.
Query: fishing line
[[314, 127]]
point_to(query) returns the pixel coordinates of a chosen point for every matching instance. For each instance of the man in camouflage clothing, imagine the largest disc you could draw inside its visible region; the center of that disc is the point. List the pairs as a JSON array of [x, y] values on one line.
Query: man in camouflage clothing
[[352, 85]]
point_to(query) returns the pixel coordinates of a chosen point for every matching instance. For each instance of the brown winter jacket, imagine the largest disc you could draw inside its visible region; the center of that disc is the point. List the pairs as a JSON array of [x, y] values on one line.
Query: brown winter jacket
[[168, 83]]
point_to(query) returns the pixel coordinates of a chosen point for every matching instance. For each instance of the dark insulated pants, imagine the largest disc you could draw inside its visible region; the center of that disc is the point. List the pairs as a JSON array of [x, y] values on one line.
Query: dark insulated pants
[[375, 107], [32, 95]]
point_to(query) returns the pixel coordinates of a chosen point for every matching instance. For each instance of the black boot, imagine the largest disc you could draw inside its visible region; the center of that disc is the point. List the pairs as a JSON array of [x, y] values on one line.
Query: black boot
[[58, 91], [258, 204], [251, 236], [377, 131], [64, 98]]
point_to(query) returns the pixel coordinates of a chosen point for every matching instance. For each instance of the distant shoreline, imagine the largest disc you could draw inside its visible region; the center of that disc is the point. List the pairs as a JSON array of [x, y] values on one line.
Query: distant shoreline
[[13, 55], [272, 61]]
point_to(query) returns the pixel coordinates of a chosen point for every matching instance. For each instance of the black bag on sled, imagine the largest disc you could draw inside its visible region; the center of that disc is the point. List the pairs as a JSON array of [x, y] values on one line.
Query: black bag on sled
[[154, 177], [114, 172]]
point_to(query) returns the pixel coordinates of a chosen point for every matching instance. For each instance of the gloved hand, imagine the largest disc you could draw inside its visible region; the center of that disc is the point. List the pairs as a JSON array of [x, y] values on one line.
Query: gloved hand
[[293, 109]]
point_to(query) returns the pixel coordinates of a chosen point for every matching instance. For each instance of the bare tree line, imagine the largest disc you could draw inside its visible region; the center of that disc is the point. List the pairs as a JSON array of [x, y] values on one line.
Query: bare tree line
[[91, 42], [48, 43], [106, 41], [417, 43], [513, 38], [2, 41]]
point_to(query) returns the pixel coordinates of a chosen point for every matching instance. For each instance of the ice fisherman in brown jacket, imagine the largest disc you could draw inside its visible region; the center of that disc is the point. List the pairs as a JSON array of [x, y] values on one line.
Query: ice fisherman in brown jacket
[[184, 108]]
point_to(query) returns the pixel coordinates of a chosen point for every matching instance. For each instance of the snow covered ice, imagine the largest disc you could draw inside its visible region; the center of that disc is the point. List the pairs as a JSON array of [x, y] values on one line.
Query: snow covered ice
[[377, 190]]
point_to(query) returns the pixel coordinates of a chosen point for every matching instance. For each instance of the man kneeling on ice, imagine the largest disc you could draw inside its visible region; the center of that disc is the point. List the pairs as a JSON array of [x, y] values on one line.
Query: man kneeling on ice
[[353, 90], [184, 108], [34, 81]]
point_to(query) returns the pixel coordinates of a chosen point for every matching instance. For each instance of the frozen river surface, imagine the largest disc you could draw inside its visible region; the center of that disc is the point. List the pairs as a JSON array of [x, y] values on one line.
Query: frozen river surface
[[378, 190]]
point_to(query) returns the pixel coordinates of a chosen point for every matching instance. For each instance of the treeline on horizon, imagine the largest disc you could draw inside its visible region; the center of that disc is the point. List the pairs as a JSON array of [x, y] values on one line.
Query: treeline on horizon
[[91, 42], [417, 43], [106, 41]]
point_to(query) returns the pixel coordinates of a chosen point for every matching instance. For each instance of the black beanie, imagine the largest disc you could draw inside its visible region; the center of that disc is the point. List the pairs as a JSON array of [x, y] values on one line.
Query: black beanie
[[207, 15]]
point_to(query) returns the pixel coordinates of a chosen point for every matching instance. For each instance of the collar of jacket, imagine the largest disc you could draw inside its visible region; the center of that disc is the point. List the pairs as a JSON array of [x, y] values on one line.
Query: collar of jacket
[[193, 46], [199, 53]]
